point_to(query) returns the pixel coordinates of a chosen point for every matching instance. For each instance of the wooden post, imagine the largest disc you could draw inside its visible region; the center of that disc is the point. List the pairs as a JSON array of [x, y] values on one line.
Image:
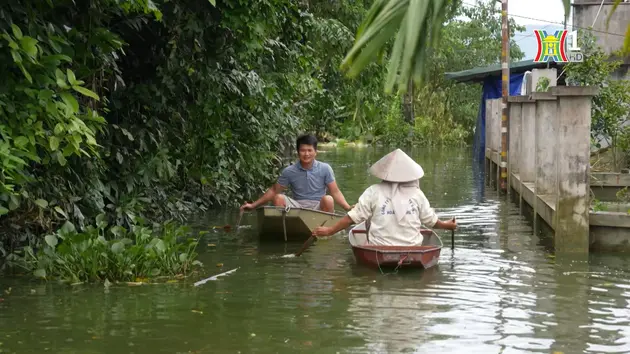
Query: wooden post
[[505, 80], [496, 133]]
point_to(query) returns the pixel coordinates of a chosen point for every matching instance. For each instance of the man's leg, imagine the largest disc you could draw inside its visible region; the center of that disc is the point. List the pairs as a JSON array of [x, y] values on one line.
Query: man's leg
[[279, 201], [327, 204], [282, 200]]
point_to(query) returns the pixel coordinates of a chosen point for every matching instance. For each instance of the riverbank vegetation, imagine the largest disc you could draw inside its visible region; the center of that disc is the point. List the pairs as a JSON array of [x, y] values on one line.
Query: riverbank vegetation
[[102, 253], [148, 110]]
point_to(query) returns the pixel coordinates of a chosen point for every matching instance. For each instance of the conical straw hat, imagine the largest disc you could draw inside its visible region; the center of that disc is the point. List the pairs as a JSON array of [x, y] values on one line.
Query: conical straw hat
[[397, 167]]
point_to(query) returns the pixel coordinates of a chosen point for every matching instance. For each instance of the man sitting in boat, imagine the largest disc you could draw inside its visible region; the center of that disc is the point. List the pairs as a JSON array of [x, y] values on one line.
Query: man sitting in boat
[[396, 207], [308, 179]]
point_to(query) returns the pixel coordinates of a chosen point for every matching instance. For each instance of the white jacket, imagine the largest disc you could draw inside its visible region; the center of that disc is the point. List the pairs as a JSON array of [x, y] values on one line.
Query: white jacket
[[376, 205]]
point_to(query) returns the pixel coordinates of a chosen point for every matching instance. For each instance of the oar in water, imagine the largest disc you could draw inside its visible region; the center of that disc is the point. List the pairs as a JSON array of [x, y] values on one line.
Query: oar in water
[[240, 217], [453, 237], [308, 243]]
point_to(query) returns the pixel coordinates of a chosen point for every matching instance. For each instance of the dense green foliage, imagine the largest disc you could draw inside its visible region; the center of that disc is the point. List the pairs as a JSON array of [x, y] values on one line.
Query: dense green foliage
[[194, 106], [159, 109]]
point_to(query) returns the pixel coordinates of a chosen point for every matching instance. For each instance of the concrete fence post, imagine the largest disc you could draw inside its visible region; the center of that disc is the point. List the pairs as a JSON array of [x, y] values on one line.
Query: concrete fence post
[[514, 150], [493, 140], [573, 168], [546, 185], [496, 135], [528, 142]]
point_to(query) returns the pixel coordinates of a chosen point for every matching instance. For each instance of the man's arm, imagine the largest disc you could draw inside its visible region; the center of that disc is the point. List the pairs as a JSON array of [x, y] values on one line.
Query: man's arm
[[265, 198], [269, 195], [338, 196], [340, 225], [361, 212], [282, 184], [446, 225]]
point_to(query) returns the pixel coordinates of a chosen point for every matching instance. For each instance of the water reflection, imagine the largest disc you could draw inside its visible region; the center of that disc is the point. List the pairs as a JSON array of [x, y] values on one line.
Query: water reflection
[[392, 313], [499, 291]]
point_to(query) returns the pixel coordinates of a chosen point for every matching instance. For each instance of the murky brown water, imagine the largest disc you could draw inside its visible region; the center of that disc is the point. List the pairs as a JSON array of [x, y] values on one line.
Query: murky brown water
[[499, 291]]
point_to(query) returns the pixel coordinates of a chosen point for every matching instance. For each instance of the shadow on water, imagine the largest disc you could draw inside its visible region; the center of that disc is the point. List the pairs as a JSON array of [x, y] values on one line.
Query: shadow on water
[[500, 290]]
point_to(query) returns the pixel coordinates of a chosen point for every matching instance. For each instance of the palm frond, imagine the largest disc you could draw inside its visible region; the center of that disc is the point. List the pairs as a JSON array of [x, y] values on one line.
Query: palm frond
[[414, 23]]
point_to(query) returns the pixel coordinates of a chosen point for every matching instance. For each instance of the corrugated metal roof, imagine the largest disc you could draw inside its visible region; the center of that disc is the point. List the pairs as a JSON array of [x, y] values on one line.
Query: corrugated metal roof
[[480, 73]]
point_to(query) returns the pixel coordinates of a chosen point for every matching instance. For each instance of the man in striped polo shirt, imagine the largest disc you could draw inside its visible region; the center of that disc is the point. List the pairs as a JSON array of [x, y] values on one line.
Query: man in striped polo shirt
[[308, 180]]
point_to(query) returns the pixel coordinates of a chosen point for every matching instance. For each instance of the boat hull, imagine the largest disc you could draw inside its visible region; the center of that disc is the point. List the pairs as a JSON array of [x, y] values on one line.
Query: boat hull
[[300, 223], [425, 256]]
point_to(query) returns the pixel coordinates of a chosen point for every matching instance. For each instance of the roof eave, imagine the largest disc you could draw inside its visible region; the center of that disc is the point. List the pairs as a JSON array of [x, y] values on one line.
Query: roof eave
[[479, 74]]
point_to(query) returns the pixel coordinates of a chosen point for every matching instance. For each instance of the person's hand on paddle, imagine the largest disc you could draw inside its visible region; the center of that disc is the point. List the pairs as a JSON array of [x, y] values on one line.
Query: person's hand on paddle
[[247, 206], [446, 225], [323, 231], [451, 224]]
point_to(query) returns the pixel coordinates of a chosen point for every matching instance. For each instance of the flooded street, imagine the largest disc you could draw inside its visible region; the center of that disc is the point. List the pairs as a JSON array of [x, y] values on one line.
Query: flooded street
[[500, 291]]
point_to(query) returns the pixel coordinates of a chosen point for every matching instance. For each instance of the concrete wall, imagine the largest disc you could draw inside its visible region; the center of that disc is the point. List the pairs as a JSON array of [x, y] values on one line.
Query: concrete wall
[[548, 159], [585, 12], [605, 185], [548, 170]]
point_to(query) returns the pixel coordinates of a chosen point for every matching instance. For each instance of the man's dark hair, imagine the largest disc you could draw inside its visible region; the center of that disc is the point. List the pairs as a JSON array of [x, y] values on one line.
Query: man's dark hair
[[306, 139]]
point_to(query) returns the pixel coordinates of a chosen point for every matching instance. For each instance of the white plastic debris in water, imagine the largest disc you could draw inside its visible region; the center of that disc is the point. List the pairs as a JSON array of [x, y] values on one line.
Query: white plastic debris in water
[[214, 277], [291, 255]]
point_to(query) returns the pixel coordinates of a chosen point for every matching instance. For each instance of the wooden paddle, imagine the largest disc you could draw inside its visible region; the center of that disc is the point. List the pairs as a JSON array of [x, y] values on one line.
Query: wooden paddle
[[453, 237], [240, 217], [308, 242]]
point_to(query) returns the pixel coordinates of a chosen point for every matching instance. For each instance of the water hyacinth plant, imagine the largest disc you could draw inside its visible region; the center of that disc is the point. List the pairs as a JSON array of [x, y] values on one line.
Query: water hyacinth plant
[[103, 253]]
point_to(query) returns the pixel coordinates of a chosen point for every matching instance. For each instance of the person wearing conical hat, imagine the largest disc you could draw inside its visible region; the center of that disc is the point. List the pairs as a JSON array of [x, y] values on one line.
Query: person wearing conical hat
[[396, 207]]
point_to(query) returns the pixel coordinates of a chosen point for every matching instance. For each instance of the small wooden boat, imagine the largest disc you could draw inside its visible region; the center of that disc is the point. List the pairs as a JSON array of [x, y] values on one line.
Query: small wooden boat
[[293, 224], [424, 256]]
